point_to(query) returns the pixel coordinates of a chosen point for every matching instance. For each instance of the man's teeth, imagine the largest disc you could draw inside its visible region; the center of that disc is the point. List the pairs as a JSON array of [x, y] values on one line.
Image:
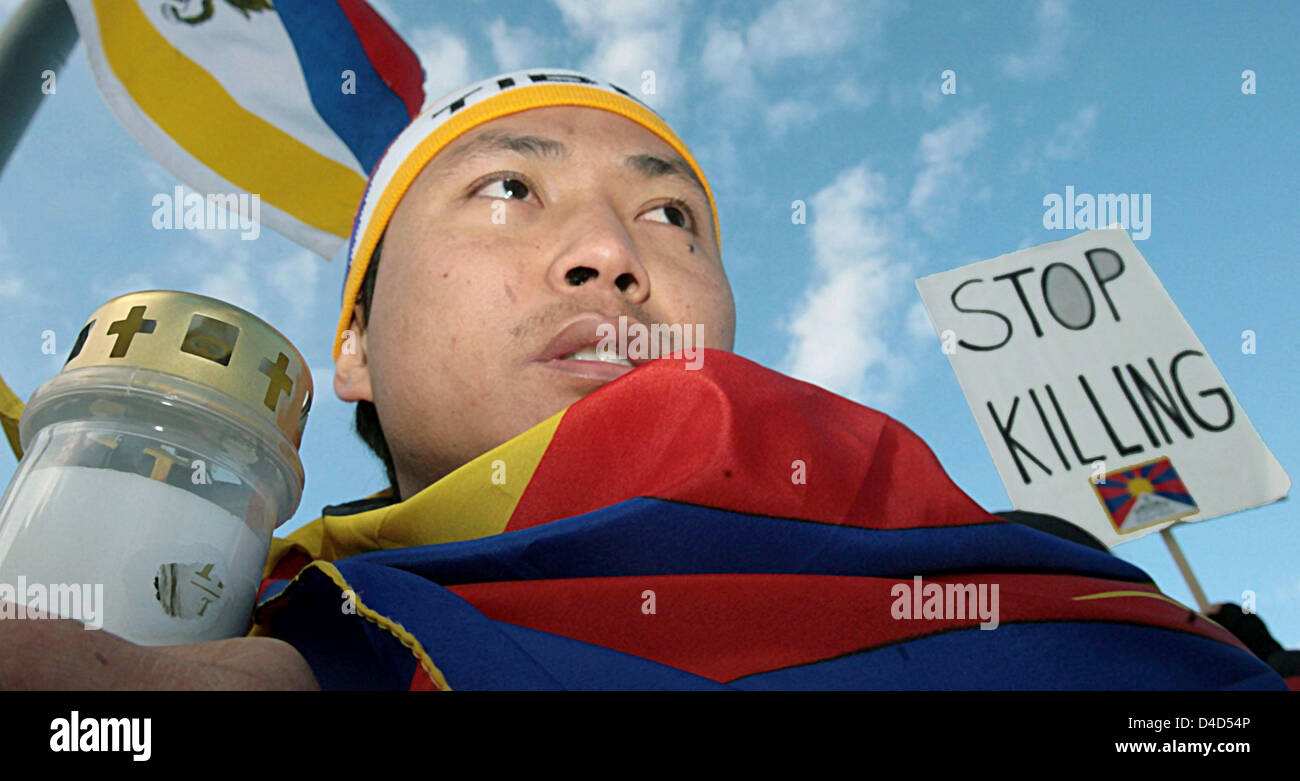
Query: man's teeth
[[592, 354]]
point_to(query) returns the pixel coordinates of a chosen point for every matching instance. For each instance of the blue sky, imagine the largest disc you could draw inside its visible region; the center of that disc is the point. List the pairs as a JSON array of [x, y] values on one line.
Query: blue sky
[[837, 104]]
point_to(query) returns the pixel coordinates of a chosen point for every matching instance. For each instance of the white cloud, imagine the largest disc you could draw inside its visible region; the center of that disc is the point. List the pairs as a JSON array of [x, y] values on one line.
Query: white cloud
[[723, 60], [627, 59], [293, 280], [592, 17], [230, 278], [943, 153], [1051, 36], [1070, 139], [918, 322], [12, 285], [446, 60], [715, 150], [906, 95], [844, 327], [229, 269], [156, 176], [629, 38], [855, 94], [515, 48], [931, 93], [387, 11], [111, 285], [808, 30], [790, 29], [789, 114]]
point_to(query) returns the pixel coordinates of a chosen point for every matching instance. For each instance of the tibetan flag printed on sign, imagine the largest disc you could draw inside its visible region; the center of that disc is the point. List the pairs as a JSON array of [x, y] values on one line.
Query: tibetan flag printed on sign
[[1144, 495], [293, 102]]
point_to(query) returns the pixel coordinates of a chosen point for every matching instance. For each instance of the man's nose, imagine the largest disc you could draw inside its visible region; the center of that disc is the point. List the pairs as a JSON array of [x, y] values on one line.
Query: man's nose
[[600, 253]]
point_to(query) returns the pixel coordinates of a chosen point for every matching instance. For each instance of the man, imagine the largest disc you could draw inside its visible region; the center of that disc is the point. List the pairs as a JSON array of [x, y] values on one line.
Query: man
[[560, 517], [485, 269]]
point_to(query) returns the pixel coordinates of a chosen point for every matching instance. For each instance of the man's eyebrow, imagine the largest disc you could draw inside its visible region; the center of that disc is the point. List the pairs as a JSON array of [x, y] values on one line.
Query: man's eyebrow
[[653, 167], [539, 147], [492, 142]]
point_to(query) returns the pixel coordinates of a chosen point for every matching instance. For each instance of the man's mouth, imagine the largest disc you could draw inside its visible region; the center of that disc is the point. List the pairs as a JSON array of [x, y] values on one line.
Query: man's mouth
[[577, 350], [591, 353]]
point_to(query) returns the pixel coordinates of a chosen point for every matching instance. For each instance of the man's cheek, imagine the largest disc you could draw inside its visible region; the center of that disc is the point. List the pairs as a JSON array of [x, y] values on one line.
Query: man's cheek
[[705, 323], [718, 316]]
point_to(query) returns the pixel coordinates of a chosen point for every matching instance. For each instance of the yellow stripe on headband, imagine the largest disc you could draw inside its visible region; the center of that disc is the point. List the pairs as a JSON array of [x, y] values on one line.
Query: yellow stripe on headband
[[508, 102]]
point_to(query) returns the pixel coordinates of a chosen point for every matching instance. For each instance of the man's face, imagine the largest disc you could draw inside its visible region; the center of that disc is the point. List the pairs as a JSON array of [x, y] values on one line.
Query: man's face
[[509, 251]]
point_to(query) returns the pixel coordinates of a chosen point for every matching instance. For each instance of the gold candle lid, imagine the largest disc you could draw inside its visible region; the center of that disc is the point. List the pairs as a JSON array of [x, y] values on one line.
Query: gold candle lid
[[204, 340]]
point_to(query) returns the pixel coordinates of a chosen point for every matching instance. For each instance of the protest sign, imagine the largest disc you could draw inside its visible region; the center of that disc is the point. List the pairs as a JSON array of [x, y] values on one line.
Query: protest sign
[[1095, 398]]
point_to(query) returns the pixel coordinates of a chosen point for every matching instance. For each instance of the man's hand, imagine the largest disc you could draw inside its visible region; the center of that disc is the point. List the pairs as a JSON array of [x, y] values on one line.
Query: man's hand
[[59, 653]]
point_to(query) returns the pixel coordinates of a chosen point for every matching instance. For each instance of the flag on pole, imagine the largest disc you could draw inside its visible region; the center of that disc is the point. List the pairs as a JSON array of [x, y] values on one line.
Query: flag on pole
[[294, 103]]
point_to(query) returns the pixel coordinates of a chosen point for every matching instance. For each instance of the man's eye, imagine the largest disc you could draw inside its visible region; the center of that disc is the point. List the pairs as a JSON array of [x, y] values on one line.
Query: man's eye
[[678, 214], [507, 187]]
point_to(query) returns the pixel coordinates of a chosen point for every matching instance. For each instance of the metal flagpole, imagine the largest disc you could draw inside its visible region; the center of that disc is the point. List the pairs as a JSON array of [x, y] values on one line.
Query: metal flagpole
[[37, 38]]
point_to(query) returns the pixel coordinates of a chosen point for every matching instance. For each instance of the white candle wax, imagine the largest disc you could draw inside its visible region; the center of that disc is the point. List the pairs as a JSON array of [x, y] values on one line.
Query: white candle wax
[[175, 567]]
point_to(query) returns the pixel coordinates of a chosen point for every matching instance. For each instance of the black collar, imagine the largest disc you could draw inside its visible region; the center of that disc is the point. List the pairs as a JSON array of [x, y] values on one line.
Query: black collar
[[372, 502]]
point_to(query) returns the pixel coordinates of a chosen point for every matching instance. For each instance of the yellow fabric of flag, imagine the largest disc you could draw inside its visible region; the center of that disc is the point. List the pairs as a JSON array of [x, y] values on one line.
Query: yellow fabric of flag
[[11, 408]]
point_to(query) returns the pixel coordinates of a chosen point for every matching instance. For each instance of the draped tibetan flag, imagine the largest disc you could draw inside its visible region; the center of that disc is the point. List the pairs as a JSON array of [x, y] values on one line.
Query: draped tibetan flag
[[294, 102], [722, 528]]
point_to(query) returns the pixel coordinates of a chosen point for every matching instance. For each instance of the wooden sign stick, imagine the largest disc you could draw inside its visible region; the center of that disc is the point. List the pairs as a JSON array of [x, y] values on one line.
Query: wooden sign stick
[[1185, 568]]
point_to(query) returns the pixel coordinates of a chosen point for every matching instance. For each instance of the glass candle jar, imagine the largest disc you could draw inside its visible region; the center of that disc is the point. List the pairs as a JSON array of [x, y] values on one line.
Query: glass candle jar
[[156, 466]]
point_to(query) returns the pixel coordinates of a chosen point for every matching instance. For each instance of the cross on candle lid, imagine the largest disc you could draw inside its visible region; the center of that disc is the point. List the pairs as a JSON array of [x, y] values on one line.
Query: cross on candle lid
[[204, 340]]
